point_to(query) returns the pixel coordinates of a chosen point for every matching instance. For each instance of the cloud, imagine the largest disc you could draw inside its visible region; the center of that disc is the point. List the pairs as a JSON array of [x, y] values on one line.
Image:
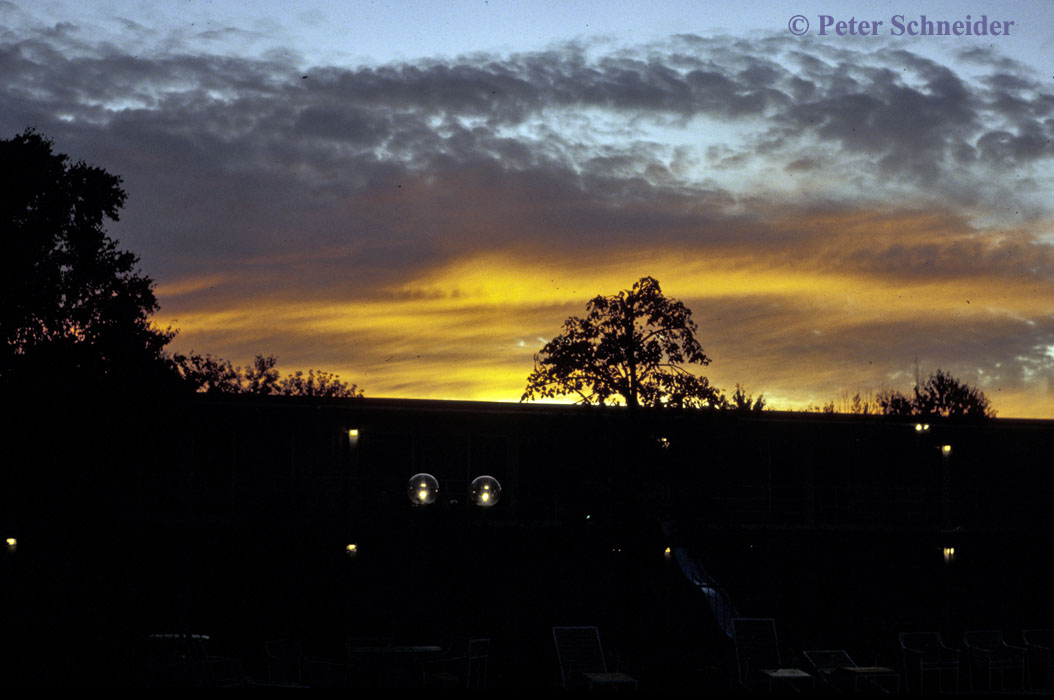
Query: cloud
[[828, 211]]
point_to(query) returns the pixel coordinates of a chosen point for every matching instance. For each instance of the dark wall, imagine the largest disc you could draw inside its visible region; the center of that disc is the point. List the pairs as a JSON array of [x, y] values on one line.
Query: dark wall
[[232, 516]]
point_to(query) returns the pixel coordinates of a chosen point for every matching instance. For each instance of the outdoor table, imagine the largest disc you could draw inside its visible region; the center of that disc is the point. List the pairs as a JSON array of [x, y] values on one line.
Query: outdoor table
[[395, 665], [788, 675], [611, 680], [871, 674]]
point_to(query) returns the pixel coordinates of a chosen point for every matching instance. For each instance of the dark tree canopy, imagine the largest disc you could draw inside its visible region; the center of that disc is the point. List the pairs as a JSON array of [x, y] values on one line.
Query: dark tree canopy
[[941, 395], [632, 346], [213, 375], [71, 301], [742, 401]]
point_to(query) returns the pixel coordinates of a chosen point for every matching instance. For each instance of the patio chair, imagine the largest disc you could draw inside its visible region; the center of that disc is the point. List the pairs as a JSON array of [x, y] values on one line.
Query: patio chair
[[838, 670], [1040, 646], [990, 654], [925, 652], [758, 657], [581, 660]]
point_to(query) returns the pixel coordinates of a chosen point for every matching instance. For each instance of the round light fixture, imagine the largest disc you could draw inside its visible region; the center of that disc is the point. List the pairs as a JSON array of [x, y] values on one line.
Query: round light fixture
[[485, 491], [422, 489]]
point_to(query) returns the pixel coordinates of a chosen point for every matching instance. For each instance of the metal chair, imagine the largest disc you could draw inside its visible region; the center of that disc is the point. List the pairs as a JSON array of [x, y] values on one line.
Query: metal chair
[[758, 657], [990, 654], [925, 652], [581, 660], [1040, 646]]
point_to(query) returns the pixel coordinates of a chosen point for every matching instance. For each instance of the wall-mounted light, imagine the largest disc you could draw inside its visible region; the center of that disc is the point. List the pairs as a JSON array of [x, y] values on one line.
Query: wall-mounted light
[[949, 554], [946, 450], [353, 436], [352, 549], [485, 491], [422, 489], [667, 553], [922, 427], [12, 544]]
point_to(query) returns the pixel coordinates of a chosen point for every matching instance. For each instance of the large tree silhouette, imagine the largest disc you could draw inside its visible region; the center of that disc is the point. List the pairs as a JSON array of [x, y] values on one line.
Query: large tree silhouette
[[941, 395], [72, 304], [634, 346]]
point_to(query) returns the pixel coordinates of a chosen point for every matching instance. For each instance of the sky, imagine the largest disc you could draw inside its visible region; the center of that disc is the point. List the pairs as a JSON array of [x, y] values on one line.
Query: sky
[[416, 195]]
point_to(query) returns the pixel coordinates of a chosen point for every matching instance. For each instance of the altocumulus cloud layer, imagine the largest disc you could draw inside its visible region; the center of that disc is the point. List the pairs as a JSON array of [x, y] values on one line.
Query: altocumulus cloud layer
[[829, 213]]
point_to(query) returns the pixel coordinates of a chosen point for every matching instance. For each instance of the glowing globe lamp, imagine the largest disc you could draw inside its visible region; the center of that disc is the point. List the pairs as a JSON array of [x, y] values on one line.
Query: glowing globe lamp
[[422, 489], [485, 491]]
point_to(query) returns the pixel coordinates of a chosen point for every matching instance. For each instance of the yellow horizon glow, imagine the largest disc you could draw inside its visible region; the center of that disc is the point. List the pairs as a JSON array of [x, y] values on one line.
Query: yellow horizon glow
[[468, 330]]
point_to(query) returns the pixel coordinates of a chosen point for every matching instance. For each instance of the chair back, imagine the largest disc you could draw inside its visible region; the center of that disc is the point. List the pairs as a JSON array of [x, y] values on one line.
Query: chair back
[[921, 642], [756, 645], [578, 651], [1039, 638], [989, 640]]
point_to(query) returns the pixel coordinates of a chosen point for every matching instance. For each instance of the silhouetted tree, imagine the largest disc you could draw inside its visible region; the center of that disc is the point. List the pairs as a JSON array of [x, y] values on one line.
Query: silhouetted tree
[[317, 383], [741, 401], [72, 304], [214, 375], [941, 395], [209, 375], [632, 346]]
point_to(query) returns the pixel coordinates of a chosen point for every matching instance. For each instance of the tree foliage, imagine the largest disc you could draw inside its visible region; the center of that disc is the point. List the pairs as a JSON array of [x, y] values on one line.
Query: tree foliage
[[631, 347], [70, 300], [742, 401], [214, 375], [941, 395]]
